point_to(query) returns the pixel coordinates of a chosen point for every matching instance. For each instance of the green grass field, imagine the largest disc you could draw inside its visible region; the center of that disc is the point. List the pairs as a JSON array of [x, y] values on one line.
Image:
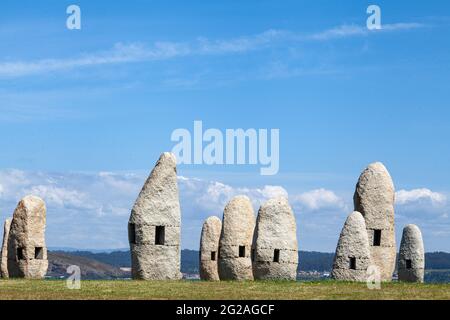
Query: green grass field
[[139, 290]]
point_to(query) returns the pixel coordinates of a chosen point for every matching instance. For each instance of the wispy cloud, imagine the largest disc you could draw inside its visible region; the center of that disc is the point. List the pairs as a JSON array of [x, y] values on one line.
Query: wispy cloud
[[138, 52], [345, 31]]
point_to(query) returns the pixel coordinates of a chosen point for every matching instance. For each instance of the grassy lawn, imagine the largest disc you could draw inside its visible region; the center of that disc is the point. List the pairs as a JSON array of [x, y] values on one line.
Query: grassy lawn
[[100, 290]]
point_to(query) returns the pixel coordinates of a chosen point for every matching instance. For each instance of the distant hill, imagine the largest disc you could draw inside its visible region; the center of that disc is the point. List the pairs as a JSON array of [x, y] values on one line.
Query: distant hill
[[437, 261], [308, 261], [91, 269]]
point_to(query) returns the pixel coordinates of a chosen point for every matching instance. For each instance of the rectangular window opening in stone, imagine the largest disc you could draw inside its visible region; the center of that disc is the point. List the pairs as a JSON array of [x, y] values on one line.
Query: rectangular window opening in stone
[[408, 264], [276, 256], [213, 256], [241, 251], [352, 263], [160, 234], [376, 238], [20, 254], [39, 253], [132, 233]]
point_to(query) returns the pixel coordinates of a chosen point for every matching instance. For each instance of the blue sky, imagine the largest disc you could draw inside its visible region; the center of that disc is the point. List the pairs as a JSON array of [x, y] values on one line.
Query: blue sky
[[84, 114]]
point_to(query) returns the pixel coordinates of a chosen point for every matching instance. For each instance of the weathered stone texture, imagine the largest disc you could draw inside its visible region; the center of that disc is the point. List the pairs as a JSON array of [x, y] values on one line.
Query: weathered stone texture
[[236, 240], [209, 249], [27, 252], [155, 224], [374, 199], [411, 261], [4, 261], [275, 242], [353, 252]]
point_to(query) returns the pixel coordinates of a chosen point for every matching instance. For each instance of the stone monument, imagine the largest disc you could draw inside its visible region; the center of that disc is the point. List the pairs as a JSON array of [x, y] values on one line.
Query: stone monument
[[27, 252], [275, 242], [352, 256], [155, 223], [411, 260], [374, 199], [236, 240], [209, 249]]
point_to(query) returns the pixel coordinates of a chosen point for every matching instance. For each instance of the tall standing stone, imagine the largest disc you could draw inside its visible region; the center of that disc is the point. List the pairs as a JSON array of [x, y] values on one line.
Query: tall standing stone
[[352, 256], [236, 240], [374, 198], [155, 223], [27, 252], [4, 261], [275, 242], [411, 261], [209, 249]]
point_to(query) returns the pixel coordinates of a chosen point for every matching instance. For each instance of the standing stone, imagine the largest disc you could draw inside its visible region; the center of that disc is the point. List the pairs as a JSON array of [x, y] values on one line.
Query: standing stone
[[275, 243], [353, 251], [4, 262], [236, 240], [374, 198], [209, 249], [155, 223], [27, 252], [411, 261]]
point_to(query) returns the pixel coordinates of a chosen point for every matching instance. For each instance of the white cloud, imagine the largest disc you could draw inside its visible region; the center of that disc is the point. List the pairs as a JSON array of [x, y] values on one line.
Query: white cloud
[[319, 199], [345, 31], [405, 197], [137, 52], [339, 32], [402, 26], [212, 196], [120, 53], [91, 210], [80, 205], [61, 197]]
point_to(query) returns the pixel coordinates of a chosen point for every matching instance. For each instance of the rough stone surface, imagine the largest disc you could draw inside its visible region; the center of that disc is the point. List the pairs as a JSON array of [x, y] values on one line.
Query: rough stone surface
[[237, 232], [4, 261], [275, 242], [353, 245], [157, 209], [374, 198], [411, 261], [27, 252], [209, 249]]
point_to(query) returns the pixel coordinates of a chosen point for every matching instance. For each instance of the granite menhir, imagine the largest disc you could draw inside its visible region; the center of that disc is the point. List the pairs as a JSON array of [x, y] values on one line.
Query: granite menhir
[[374, 199], [236, 240], [155, 224], [4, 261], [411, 260], [352, 257], [209, 249], [275, 255], [27, 252]]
